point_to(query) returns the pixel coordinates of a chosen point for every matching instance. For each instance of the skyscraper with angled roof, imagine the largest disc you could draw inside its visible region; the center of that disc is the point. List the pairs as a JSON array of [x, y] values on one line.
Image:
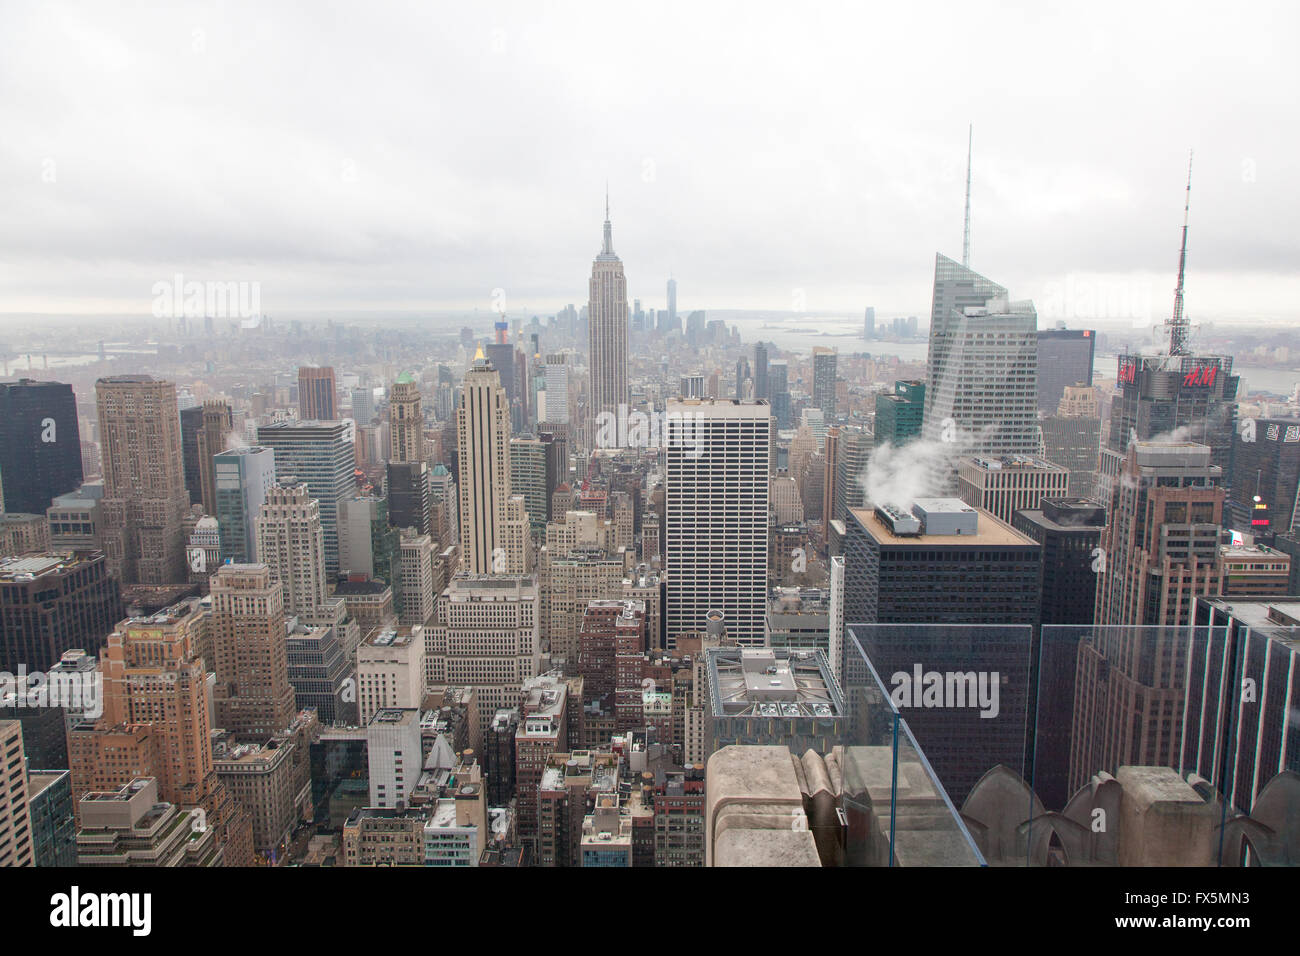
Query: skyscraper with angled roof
[[982, 392]]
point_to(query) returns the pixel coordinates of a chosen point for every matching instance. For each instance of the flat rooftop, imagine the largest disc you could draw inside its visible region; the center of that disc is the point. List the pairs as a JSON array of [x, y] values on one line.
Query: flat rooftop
[[1259, 551], [766, 682], [543, 697], [389, 636], [1012, 462], [34, 565], [1254, 613], [991, 532]]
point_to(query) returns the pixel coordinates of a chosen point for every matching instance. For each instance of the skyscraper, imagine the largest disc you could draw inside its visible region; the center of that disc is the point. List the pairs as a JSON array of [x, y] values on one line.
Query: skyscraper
[[672, 291], [213, 434], [40, 445], [1160, 552], [1160, 393], [1193, 394], [920, 576], [760, 371], [291, 542], [852, 454], [16, 844], [1003, 486], [1069, 529], [778, 390], [253, 698], [405, 421], [367, 545], [316, 400], [528, 477], [607, 316], [51, 603], [1266, 476], [830, 479], [943, 562], [156, 722], [241, 479], [716, 522], [409, 496], [484, 635], [556, 374], [1161, 542], [191, 425], [363, 405], [444, 505], [145, 498], [825, 362], [318, 453], [1064, 358], [1072, 437], [899, 414], [506, 360], [483, 440], [955, 288], [419, 588], [983, 390]]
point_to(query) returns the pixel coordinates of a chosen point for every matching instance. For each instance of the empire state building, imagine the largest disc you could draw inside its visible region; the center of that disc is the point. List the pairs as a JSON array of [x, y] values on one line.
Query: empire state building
[[607, 317]]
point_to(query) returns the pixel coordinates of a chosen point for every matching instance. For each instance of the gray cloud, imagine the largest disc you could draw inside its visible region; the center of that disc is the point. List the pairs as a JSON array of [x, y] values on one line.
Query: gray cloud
[[352, 156]]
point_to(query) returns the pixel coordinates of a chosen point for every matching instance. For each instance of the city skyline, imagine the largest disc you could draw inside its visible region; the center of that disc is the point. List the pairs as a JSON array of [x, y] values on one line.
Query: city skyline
[[390, 523]]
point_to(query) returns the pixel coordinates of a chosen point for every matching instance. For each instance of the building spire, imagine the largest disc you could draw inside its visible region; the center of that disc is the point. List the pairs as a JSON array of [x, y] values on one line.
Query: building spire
[[1178, 328], [608, 248], [965, 236]]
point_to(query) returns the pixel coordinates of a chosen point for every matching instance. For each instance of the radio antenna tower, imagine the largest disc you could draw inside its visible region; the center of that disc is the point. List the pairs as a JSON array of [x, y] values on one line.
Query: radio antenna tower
[[1178, 326], [965, 236]]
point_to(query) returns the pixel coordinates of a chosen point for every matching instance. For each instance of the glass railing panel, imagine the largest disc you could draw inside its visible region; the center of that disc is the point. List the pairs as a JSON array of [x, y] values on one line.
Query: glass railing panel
[[895, 806], [1129, 723], [1258, 778]]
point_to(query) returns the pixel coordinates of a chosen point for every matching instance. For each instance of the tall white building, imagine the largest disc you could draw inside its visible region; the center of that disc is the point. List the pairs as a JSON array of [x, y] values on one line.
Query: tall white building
[[982, 365], [717, 491], [394, 756], [955, 288], [390, 671], [489, 540], [835, 637], [556, 373], [291, 542], [985, 396], [323, 455], [607, 320]]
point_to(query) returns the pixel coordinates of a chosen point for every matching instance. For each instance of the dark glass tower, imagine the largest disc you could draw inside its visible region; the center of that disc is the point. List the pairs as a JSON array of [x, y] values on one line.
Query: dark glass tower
[[40, 445]]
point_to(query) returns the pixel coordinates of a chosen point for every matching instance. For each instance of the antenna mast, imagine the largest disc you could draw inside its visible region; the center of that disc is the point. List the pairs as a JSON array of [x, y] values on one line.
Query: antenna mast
[[965, 237], [1178, 327]]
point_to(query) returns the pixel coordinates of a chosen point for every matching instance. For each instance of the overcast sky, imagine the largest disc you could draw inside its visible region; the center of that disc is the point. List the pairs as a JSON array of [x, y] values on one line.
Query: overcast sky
[[394, 156]]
